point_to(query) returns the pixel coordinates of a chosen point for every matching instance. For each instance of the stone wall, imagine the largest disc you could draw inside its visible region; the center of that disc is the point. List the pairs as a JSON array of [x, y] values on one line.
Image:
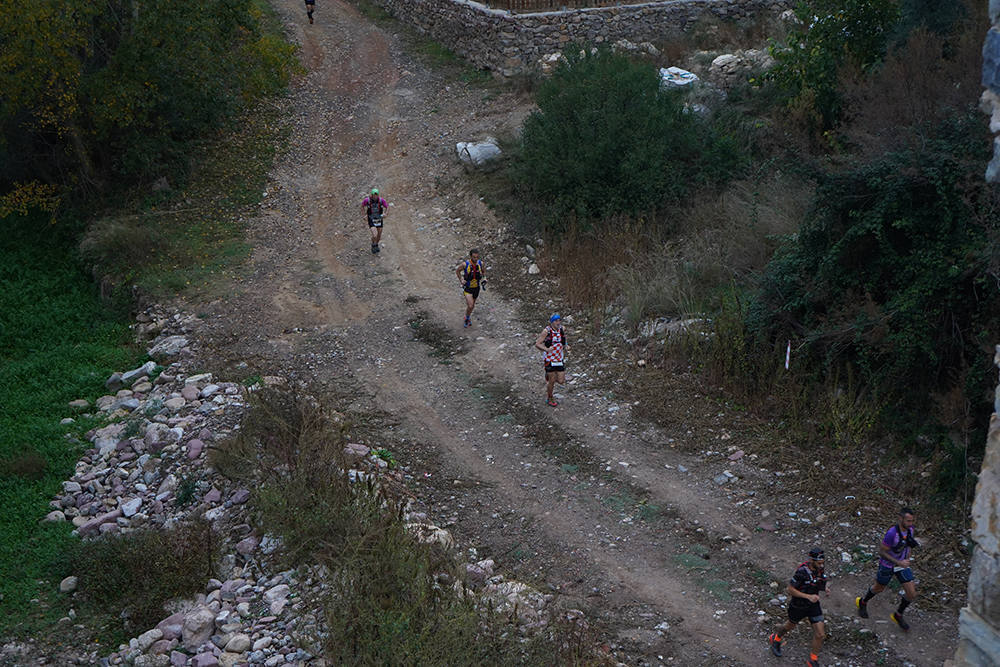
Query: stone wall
[[990, 101], [511, 43], [979, 622]]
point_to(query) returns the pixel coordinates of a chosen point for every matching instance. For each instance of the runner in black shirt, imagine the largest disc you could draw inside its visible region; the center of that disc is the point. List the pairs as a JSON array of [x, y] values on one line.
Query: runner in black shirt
[[803, 589]]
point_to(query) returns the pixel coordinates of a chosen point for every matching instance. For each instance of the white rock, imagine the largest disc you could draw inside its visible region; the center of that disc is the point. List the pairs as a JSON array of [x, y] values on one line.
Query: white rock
[[726, 59], [170, 346], [129, 376], [533, 269], [279, 592], [131, 506], [482, 155], [148, 638], [239, 643], [68, 585], [197, 628]]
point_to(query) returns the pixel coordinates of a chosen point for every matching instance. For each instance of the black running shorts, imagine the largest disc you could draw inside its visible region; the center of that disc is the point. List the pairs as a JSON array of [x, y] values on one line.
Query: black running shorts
[[813, 612]]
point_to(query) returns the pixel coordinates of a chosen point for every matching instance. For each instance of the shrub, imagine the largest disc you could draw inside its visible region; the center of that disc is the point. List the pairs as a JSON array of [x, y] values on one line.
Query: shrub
[[890, 275], [121, 245], [831, 33], [606, 139], [99, 97], [136, 573], [926, 78]]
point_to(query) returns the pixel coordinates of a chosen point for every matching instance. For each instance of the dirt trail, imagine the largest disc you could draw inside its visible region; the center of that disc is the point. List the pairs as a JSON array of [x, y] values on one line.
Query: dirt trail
[[582, 500]]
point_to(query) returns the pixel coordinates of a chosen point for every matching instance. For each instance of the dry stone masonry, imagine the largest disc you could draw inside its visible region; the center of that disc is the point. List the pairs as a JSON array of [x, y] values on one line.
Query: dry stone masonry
[[990, 101], [979, 621], [510, 43]]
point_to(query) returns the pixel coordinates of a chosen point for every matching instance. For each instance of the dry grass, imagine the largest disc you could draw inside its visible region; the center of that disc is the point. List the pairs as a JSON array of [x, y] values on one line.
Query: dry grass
[[583, 260], [920, 82], [136, 573], [712, 244], [679, 263], [390, 599]]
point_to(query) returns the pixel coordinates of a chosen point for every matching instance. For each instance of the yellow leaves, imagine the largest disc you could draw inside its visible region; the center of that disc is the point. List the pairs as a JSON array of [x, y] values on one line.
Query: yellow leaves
[[31, 195]]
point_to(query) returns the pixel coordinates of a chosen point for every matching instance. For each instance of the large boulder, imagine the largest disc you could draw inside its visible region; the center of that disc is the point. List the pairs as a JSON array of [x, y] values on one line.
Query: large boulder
[[198, 626], [479, 155]]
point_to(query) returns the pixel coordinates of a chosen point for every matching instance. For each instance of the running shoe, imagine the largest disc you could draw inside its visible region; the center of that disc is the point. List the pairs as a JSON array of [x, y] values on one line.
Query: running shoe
[[862, 607], [374, 248], [812, 661], [552, 402], [468, 322], [900, 621], [310, 20], [775, 642]]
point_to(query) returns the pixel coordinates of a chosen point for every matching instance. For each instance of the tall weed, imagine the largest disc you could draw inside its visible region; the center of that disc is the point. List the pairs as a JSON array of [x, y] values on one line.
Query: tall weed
[[392, 599], [712, 244], [927, 78], [126, 579]]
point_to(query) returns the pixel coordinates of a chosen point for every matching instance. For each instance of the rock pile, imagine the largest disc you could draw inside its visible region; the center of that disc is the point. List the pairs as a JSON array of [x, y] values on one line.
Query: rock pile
[[730, 69], [147, 468]]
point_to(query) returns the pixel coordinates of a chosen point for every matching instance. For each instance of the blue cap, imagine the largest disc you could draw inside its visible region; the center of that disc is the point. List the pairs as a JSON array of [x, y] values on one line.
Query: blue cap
[[555, 316]]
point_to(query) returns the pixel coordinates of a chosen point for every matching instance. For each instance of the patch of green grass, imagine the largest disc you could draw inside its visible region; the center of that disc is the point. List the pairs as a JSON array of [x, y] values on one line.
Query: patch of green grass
[[650, 512], [185, 239], [692, 561], [185, 490], [57, 343], [373, 11], [718, 588], [385, 455], [441, 57], [620, 502]]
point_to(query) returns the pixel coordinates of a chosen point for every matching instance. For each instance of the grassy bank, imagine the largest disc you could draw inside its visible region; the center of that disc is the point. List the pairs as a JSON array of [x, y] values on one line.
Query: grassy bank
[[57, 343]]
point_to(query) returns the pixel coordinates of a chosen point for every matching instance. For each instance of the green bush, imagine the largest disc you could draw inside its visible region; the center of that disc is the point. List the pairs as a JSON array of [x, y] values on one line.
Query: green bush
[[830, 34], [892, 274], [606, 139]]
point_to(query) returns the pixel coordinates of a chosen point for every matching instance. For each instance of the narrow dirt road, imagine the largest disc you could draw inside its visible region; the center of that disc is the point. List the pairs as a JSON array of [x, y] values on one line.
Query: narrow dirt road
[[583, 500]]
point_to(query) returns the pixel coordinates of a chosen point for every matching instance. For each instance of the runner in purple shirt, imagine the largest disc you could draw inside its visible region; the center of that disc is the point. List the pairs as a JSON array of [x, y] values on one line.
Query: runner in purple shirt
[[894, 561]]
